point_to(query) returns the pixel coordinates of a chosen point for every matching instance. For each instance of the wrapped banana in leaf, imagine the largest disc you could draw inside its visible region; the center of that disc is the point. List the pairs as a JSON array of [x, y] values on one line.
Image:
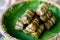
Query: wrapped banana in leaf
[[42, 9], [32, 26], [19, 25], [27, 16]]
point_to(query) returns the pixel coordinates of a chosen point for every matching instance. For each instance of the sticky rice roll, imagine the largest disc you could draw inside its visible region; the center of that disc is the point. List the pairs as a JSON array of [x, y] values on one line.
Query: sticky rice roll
[[27, 16]]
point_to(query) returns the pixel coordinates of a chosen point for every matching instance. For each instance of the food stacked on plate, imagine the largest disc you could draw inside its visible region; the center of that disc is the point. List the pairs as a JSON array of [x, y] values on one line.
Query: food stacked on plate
[[34, 22]]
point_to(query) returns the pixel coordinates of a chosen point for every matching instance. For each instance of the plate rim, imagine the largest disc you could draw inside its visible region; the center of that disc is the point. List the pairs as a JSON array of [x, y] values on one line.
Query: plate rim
[[3, 32]]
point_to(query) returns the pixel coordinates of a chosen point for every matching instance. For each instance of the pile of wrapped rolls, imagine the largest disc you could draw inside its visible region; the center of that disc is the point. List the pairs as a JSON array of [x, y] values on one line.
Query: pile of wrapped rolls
[[33, 22]]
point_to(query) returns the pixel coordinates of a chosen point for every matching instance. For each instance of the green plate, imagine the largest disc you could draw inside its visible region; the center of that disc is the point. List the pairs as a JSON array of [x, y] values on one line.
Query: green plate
[[13, 13]]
